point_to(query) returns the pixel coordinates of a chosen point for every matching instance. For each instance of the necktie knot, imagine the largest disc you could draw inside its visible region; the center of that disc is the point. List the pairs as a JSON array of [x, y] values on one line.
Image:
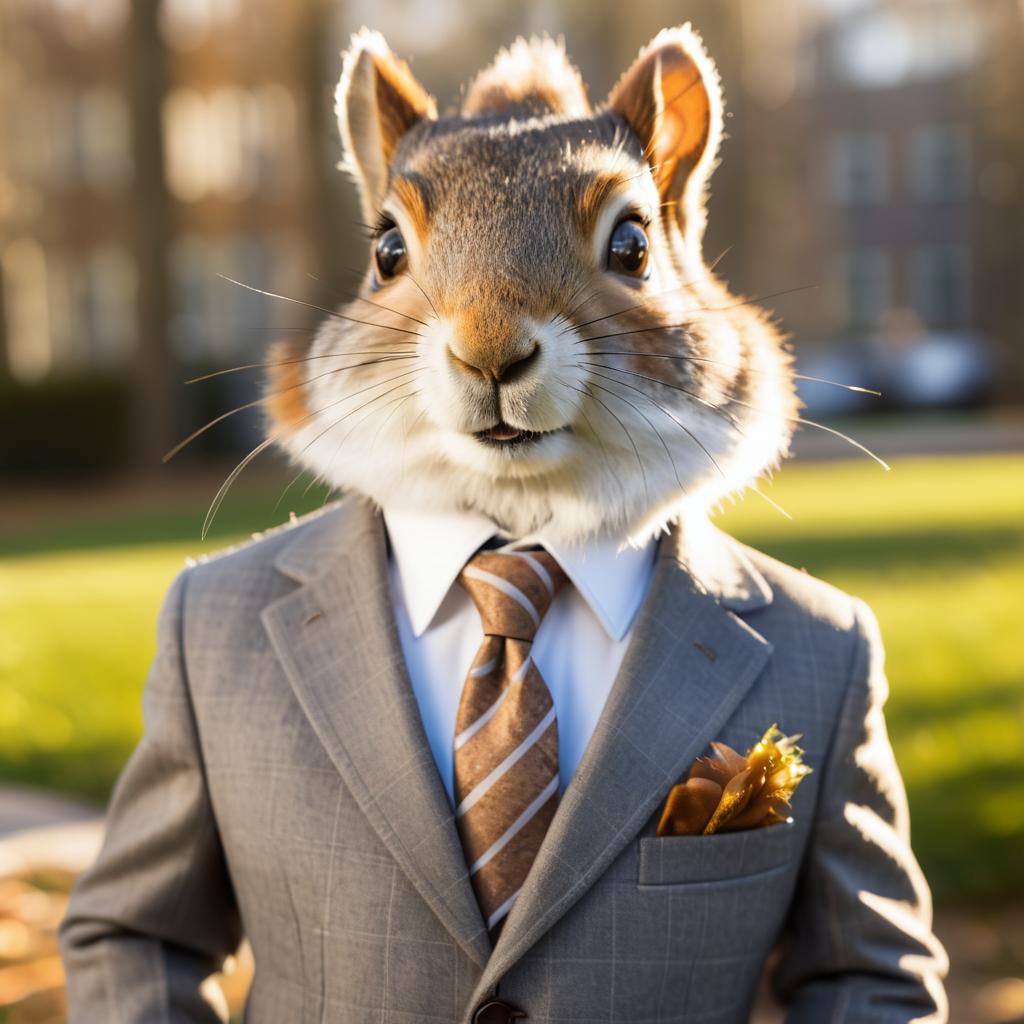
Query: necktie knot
[[512, 590]]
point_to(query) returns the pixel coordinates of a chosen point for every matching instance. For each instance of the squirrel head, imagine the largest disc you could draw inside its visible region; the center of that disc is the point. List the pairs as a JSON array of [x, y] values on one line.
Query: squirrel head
[[537, 336]]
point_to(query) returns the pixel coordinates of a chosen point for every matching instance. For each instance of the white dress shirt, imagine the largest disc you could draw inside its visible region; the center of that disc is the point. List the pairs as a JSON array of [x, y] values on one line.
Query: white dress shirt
[[578, 648]]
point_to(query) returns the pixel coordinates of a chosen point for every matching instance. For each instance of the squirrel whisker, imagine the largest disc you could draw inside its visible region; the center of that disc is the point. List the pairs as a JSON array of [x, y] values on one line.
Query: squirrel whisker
[[307, 359], [273, 394], [575, 294], [218, 500], [594, 432], [828, 430], [629, 437], [384, 422], [211, 512], [409, 428], [423, 293], [321, 309], [657, 380], [628, 309], [341, 419], [714, 408], [380, 305], [639, 305], [320, 476], [721, 256], [699, 309], [790, 419], [746, 369], [646, 419], [397, 312], [575, 309], [693, 437], [360, 274]]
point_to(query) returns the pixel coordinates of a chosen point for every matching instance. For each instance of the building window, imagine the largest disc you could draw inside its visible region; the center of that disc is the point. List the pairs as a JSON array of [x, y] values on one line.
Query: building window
[[882, 48], [186, 24], [26, 310], [940, 163], [214, 319], [230, 141], [186, 144], [105, 312], [422, 25], [270, 137], [874, 50], [940, 282], [867, 274], [858, 168], [57, 138], [102, 137], [85, 21], [67, 313], [195, 328], [63, 140]]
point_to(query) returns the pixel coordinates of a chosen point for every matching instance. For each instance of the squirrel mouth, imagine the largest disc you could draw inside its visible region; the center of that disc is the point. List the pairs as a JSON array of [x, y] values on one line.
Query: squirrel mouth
[[503, 435]]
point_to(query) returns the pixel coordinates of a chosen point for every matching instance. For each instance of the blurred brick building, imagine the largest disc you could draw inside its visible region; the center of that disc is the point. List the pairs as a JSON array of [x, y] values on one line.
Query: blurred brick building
[[875, 152], [881, 145], [145, 149]]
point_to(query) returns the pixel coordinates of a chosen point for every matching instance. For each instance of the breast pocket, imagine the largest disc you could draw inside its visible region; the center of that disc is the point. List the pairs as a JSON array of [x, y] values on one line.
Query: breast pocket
[[722, 857]]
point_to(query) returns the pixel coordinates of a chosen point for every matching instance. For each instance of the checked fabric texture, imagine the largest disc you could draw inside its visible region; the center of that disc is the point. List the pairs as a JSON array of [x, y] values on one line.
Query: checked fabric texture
[[506, 734]]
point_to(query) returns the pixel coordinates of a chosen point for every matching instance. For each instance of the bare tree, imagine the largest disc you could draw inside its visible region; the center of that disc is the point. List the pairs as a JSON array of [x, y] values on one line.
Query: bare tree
[[153, 365]]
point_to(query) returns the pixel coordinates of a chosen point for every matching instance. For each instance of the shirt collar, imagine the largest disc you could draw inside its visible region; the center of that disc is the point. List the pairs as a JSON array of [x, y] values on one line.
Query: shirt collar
[[430, 549]]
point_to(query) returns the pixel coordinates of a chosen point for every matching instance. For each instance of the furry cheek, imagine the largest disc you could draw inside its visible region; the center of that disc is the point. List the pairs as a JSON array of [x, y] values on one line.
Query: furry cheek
[[286, 401]]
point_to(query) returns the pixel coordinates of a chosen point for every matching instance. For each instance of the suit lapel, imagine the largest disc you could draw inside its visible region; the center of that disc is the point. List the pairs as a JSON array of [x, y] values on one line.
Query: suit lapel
[[336, 638], [689, 664]]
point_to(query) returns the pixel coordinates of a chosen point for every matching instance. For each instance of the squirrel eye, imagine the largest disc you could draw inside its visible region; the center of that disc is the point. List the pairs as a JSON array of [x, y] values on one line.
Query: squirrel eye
[[390, 252], [627, 248]]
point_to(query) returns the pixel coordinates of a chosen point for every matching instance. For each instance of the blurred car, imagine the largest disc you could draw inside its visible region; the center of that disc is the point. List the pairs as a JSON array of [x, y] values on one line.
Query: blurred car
[[935, 370]]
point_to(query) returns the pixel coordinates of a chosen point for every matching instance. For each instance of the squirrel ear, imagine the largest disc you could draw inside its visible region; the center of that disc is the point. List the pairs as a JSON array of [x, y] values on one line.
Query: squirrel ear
[[377, 101], [672, 99], [534, 75]]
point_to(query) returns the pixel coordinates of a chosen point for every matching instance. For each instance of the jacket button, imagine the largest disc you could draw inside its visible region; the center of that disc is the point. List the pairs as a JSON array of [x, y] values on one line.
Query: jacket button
[[497, 1012]]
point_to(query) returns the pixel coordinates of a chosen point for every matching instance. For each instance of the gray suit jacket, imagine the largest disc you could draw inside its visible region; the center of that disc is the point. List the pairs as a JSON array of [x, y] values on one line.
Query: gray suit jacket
[[284, 788]]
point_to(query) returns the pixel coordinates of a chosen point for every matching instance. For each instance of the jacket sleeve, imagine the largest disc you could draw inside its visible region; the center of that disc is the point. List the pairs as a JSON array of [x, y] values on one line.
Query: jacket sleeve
[[859, 947], [155, 916]]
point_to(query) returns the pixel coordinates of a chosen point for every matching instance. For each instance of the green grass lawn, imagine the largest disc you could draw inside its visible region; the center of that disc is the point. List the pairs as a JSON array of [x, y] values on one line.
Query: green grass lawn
[[935, 546]]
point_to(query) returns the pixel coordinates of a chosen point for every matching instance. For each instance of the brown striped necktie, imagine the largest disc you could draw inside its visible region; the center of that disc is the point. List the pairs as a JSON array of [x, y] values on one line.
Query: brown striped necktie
[[506, 735]]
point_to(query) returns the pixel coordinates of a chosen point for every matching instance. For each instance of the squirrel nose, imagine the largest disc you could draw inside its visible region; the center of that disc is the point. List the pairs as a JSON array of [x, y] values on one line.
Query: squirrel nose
[[503, 366]]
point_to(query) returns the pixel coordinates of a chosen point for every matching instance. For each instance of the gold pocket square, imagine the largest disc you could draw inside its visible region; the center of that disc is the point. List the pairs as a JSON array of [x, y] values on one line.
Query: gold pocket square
[[727, 792]]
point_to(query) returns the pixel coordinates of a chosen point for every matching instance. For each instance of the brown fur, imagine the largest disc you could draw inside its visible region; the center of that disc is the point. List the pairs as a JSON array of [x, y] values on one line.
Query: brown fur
[[415, 197], [286, 403], [671, 99], [401, 101], [532, 77], [593, 194], [377, 101], [652, 387]]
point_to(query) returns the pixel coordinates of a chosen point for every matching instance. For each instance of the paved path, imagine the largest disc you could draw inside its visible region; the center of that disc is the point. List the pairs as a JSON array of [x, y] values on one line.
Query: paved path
[[24, 808], [40, 828], [45, 842]]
